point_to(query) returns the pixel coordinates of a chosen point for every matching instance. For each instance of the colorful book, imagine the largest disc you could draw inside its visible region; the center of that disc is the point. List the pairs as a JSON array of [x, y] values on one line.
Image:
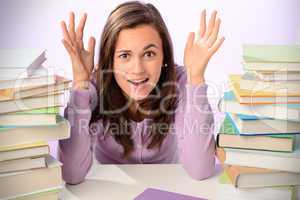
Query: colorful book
[[28, 82], [48, 194], [18, 184], [47, 110], [259, 96], [36, 117], [272, 67], [281, 161], [158, 194], [253, 125], [229, 137], [230, 104], [22, 164], [251, 177], [23, 135], [26, 150], [14, 93], [251, 81], [271, 53], [266, 193], [32, 103], [278, 75]]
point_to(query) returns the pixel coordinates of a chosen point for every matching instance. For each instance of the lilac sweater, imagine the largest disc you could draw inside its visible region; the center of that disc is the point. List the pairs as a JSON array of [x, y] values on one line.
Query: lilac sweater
[[190, 140]]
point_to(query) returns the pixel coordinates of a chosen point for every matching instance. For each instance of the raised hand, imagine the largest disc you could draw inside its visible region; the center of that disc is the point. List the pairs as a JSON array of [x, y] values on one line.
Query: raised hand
[[200, 47], [82, 59]]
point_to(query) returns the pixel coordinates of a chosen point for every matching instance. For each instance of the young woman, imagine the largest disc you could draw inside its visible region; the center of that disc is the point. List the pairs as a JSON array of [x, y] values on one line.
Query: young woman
[[138, 106]]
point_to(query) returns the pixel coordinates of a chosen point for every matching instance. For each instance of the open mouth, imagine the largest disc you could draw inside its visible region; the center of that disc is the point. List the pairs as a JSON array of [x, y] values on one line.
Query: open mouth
[[138, 82]]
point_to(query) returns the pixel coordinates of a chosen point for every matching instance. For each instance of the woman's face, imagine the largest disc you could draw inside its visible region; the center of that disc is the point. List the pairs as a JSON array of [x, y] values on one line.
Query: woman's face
[[138, 60]]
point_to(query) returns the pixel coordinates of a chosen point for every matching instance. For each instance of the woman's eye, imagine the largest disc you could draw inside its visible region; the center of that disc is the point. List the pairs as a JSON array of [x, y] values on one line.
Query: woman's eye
[[149, 54], [124, 56]]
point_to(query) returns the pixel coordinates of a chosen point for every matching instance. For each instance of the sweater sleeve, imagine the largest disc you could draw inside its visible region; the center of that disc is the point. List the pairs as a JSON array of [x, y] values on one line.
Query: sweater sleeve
[[194, 129], [76, 152]]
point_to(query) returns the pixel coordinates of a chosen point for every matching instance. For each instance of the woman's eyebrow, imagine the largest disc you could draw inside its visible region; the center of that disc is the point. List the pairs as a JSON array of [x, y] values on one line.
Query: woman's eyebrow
[[145, 48], [123, 51], [150, 45]]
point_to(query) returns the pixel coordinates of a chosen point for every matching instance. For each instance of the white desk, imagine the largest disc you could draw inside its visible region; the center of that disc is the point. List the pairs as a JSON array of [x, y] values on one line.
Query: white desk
[[125, 182]]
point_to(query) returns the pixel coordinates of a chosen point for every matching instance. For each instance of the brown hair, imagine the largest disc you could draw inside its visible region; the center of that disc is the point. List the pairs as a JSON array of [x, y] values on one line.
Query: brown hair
[[130, 15]]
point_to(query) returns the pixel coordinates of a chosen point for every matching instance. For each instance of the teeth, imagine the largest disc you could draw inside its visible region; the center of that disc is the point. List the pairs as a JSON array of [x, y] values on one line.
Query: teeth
[[137, 81]]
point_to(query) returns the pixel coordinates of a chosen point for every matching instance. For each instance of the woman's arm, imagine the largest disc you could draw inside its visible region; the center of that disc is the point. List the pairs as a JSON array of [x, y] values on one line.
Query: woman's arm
[[195, 125], [76, 152], [196, 139]]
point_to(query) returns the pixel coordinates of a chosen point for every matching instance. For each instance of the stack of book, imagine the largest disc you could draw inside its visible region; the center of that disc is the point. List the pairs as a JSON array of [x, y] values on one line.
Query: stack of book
[[258, 142], [30, 98]]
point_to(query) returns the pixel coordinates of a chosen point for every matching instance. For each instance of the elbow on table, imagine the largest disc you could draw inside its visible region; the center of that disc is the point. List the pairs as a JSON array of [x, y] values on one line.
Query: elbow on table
[[74, 169], [201, 172], [75, 173], [72, 177]]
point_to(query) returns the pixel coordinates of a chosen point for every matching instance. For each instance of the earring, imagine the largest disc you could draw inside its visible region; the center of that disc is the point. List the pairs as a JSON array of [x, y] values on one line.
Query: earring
[[165, 65]]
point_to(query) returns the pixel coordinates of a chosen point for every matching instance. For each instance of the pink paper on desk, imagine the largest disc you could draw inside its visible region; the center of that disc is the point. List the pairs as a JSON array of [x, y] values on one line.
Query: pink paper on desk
[[151, 194]]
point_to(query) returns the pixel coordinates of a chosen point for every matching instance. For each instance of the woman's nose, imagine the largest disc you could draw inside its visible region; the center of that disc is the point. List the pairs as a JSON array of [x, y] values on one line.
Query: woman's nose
[[137, 67]]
